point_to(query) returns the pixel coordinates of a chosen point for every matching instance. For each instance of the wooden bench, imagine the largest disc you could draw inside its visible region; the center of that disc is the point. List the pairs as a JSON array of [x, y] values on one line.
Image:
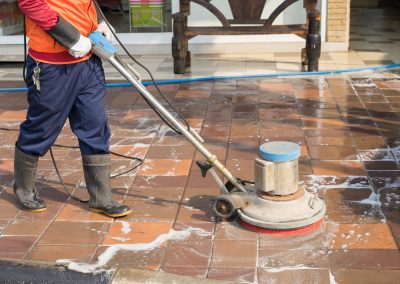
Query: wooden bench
[[246, 20]]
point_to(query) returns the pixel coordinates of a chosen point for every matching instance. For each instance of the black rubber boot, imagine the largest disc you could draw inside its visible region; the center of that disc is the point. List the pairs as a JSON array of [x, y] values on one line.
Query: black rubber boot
[[96, 169], [25, 167]]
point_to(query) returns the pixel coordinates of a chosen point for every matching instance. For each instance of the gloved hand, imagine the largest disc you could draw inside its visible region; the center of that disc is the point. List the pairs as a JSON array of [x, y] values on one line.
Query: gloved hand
[[81, 48], [105, 30]]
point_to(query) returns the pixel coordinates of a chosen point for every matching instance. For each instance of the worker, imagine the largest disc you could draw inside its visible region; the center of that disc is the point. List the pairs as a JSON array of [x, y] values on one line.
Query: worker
[[64, 80]]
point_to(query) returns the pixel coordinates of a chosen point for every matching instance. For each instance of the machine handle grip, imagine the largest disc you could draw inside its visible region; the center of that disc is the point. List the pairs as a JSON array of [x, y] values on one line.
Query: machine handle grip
[[101, 46]]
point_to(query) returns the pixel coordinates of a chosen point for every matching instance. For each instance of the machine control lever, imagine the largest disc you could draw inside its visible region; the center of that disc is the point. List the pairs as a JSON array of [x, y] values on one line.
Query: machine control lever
[[204, 167]]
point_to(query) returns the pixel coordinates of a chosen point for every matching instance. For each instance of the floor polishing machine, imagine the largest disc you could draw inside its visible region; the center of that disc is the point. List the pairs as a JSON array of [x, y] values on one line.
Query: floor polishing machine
[[273, 203]]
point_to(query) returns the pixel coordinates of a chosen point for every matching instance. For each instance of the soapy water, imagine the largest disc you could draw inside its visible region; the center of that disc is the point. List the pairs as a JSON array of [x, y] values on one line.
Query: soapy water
[[100, 265], [126, 228], [294, 259]]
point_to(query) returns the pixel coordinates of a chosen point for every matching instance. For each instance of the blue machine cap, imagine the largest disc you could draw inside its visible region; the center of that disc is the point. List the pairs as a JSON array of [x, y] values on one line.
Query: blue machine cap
[[279, 151]]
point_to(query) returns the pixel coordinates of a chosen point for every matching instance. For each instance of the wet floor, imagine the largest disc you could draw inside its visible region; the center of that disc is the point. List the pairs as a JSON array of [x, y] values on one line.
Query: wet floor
[[348, 127]]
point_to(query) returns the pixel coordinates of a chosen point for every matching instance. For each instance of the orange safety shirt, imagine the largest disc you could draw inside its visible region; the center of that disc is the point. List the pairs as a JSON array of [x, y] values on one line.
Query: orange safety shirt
[[43, 15]]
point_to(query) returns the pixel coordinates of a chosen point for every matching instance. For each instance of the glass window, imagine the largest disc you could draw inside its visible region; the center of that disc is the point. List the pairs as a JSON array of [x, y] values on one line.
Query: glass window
[[128, 16], [11, 18]]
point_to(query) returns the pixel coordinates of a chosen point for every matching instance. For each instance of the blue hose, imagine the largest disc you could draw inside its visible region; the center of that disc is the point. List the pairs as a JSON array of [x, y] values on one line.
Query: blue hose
[[215, 78]]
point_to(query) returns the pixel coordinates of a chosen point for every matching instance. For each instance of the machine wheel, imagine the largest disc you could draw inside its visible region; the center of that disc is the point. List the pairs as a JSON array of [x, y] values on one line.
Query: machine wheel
[[224, 207]]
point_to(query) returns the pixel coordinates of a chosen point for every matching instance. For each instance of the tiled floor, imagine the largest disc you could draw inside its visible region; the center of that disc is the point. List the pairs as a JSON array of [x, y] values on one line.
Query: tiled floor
[[369, 47], [349, 131]]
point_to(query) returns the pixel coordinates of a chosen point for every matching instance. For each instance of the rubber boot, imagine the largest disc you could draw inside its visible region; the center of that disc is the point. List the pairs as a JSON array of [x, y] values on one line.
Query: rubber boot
[[25, 168], [96, 169]]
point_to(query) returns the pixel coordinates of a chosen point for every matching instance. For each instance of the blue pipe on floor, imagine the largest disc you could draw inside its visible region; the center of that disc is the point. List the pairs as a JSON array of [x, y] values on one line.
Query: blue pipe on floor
[[215, 78]]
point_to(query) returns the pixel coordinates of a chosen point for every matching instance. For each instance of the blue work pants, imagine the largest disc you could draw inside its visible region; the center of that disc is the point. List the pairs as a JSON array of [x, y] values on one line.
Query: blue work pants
[[74, 91]]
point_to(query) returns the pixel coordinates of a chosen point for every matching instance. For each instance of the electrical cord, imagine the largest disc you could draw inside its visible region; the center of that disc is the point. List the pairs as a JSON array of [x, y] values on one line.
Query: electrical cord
[[140, 162], [148, 72]]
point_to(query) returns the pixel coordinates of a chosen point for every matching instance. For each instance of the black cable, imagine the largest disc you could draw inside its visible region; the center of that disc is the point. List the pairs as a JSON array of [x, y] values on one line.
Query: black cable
[[148, 72], [25, 53], [113, 153]]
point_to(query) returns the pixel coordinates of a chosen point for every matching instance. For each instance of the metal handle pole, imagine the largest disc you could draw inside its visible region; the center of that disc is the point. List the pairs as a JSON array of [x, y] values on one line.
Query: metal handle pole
[[212, 159]]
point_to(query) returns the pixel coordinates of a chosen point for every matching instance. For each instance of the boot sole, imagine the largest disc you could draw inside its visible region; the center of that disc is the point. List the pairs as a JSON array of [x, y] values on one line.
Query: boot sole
[[111, 215], [36, 210]]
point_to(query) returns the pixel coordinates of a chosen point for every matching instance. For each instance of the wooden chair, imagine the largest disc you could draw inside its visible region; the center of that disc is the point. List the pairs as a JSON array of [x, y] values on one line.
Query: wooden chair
[[246, 20]]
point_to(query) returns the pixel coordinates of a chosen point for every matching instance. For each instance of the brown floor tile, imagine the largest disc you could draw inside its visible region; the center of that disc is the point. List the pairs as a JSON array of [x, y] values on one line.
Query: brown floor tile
[[365, 259], [218, 150], [323, 103], [279, 115], [282, 275], [332, 153], [319, 113], [241, 168], [282, 132], [329, 141], [157, 194], [385, 178], [200, 231], [244, 128], [313, 122], [199, 201], [378, 107], [380, 165], [152, 210], [362, 276], [79, 212], [12, 115], [214, 132], [351, 205], [315, 240], [367, 142], [188, 214], [198, 272], [124, 258], [305, 167], [337, 168], [135, 232], [281, 87], [390, 203], [52, 210], [8, 211], [188, 253], [310, 93], [395, 229], [55, 252], [234, 253], [160, 181], [197, 181], [3, 224], [362, 236], [233, 231], [15, 245], [364, 130], [170, 152], [75, 233], [375, 155], [6, 166], [53, 194], [207, 192], [326, 132], [238, 275], [23, 227], [129, 150], [158, 167], [269, 258], [245, 154]]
